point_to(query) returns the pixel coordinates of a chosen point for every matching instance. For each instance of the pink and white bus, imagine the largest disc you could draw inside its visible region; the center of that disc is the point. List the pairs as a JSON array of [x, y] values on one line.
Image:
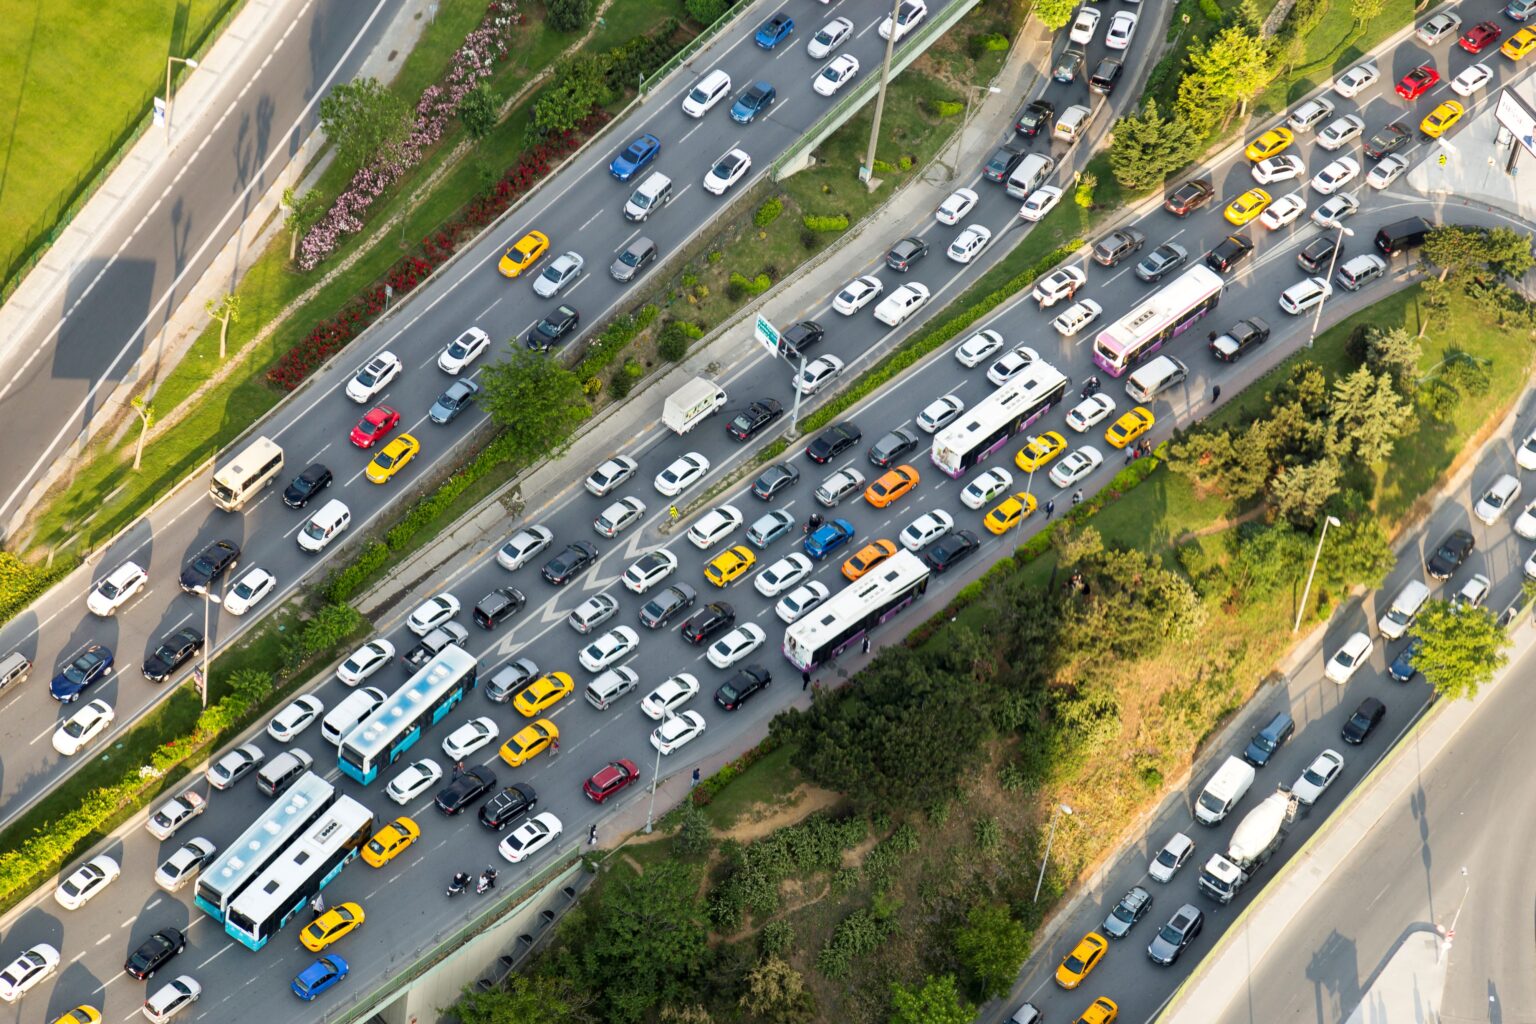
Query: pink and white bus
[[1168, 311]]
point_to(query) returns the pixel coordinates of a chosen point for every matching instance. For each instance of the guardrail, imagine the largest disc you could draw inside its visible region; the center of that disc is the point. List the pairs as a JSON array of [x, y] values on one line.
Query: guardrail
[[698, 42]]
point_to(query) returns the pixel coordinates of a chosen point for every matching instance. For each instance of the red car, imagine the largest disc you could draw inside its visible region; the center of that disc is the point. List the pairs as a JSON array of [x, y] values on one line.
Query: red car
[[610, 779], [1481, 36], [1418, 81], [380, 420]]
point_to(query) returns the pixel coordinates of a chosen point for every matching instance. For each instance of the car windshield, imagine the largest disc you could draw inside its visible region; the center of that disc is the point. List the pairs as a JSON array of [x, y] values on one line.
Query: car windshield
[[165, 653], [1170, 934], [244, 589], [1313, 776], [74, 727], [367, 376], [1123, 913], [77, 669], [314, 530], [631, 257], [1167, 858], [1264, 743], [109, 590], [203, 564]]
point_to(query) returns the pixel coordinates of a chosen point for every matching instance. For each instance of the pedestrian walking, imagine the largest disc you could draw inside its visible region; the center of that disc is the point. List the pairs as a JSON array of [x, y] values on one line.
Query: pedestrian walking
[[1077, 498], [592, 836], [1050, 508], [695, 779], [805, 680], [866, 643], [317, 905], [1215, 393], [554, 746]]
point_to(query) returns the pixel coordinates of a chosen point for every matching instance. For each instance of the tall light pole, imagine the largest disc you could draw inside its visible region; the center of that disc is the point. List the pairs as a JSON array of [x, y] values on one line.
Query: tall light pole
[[1333, 260], [867, 169], [169, 63], [1059, 810], [970, 90], [1330, 521], [201, 672], [650, 812]]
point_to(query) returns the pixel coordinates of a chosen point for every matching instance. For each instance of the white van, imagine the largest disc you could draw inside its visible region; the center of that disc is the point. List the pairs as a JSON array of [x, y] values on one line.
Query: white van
[[1405, 608], [1224, 790], [1029, 175], [1154, 378], [325, 526], [649, 196], [1073, 122], [344, 717], [246, 474]]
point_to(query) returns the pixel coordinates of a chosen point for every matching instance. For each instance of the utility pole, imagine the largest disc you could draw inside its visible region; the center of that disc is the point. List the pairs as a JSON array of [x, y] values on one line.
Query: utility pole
[[867, 169]]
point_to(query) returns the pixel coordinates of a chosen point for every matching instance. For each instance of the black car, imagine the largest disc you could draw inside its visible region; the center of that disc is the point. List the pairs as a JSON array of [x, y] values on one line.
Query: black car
[[1068, 66], [306, 485], [1189, 197], [561, 569], [747, 423], [467, 787], [208, 565], [154, 953], [1178, 933], [796, 338], [1315, 256], [174, 650], [459, 396], [1364, 721], [950, 548], [548, 332], [1250, 332], [507, 806], [733, 693], [498, 606], [887, 451], [707, 621], [1117, 245], [833, 441], [774, 479], [1002, 163], [1104, 77], [1269, 739], [1228, 253], [1402, 669], [905, 253], [1450, 554], [658, 611], [1036, 115], [1161, 262], [1388, 140]]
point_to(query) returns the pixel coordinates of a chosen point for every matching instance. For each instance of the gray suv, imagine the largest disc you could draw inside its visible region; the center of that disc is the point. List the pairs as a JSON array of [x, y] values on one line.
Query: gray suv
[[510, 678], [1178, 933], [638, 255]]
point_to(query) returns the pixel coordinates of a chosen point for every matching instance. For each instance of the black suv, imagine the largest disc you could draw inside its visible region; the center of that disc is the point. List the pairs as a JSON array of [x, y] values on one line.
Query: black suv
[[154, 953], [950, 548], [467, 787], [1002, 163], [707, 621], [1189, 197], [1364, 721], [174, 650], [890, 448], [208, 565], [747, 423], [306, 485], [576, 558], [833, 441], [1117, 245], [1228, 253], [1068, 66], [1178, 933], [733, 693], [801, 336], [507, 806], [1036, 115], [658, 611], [1269, 739], [905, 253], [1315, 256], [1104, 77], [1239, 338], [499, 605], [1450, 554], [548, 331]]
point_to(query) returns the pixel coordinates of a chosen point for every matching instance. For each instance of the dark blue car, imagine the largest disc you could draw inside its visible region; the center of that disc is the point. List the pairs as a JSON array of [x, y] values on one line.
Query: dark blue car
[[754, 100], [319, 976], [828, 538], [640, 152], [1402, 668], [87, 668], [775, 30]]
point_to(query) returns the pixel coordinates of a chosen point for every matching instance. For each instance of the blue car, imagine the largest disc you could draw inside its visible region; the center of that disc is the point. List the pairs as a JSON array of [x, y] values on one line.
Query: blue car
[[775, 30], [1402, 668], [87, 668], [756, 99], [319, 976], [640, 152], [828, 538]]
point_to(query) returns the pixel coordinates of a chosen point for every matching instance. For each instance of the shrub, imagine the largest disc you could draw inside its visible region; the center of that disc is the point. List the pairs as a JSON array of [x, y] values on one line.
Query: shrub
[[705, 12], [768, 212], [478, 111], [808, 239], [21, 582], [988, 42], [568, 15], [948, 108], [672, 344], [776, 938], [836, 222], [625, 377], [343, 583], [692, 831], [1212, 10], [905, 163], [614, 338], [745, 287]]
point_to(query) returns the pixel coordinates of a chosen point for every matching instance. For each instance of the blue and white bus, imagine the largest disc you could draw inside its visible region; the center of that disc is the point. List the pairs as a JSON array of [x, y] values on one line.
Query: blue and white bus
[[379, 740], [305, 867], [298, 808], [829, 629]]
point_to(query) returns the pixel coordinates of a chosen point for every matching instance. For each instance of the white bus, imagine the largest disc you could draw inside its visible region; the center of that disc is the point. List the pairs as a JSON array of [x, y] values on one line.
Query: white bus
[[308, 864], [843, 619], [986, 426], [246, 474], [379, 740], [1168, 311], [243, 860]]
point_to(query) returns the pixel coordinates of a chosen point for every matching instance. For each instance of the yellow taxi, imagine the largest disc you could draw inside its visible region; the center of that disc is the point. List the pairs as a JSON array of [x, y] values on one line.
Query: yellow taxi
[[1100, 1011], [331, 926], [388, 841], [1085, 956], [81, 1015], [1039, 451], [392, 458], [891, 486], [1276, 140], [729, 565], [1129, 427], [1247, 206], [867, 557], [1441, 118], [525, 252], [529, 742], [1009, 513], [543, 693], [1519, 44]]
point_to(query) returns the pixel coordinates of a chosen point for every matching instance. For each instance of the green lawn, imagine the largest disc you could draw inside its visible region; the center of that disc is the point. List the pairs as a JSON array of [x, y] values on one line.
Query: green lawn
[[765, 782]]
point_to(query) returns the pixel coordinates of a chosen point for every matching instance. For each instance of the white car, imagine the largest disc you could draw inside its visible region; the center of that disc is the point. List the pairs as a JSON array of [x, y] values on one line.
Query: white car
[[736, 644], [235, 765], [676, 731], [1347, 661], [1084, 25], [901, 303], [1356, 80], [714, 526], [832, 35], [1077, 316], [940, 413], [1122, 29], [727, 171], [1059, 284], [303, 712], [1283, 210], [907, 17], [1498, 499], [365, 661], [469, 737], [463, 350], [669, 696], [1040, 202], [1472, 80], [969, 243], [174, 813], [1388, 170], [1175, 852], [857, 294], [374, 377], [525, 543], [650, 569], [610, 475], [1341, 131], [170, 999], [255, 584], [566, 268], [27, 971], [86, 881], [977, 347], [609, 649], [839, 485], [1278, 168], [985, 487], [710, 90], [926, 529], [530, 837], [619, 516], [1075, 465], [115, 590], [592, 612], [801, 600], [1336, 175], [1090, 412], [783, 574], [413, 780], [76, 731], [818, 373], [1525, 455], [433, 612], [1011, 364], [959, 203], [1319, 775], [1305, 294], [185, 864], [681, 474], [1472, 593], [838, 73], [1334, 209]]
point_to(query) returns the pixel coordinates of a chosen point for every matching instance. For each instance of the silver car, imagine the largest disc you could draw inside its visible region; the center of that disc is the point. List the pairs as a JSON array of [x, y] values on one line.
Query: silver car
[[566, 268], [592, 612], [839, 486]]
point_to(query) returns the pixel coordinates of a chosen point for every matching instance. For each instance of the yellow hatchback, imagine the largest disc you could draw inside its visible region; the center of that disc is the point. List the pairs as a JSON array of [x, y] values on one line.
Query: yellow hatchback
[[1276, 140], [1247, 206], [1085, 956], [524, 254], [1441, 118], [529, 742], [388, 841], [1039, 451], [1519, 44], [392, 458], [729, 565], [1102, 1010], [81, 1015], [1009, 513], [331, 926], [543, 693], [1129, 427]]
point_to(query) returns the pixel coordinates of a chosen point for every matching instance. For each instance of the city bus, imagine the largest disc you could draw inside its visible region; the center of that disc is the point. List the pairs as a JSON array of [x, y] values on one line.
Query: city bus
[[246, 474], [1166, 312], [308, 865], [278, 825], [987, 425], [826, 631], [379, 740]]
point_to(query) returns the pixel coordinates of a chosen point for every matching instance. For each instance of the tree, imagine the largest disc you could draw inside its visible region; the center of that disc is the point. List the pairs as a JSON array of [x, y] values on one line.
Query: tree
[[579, 85], [992, 946], [1369, 414], [478, 110], [1238, 467], [225, 310], [1359, 550], [1462, 648], [646, 938], [1453, 248], [1395, 353], [569, 15], [1435, 297], [146, 412], [524, 999], [535, 400], [1508, 252], [937, 1001], [1054, 14], [1234, 66], [1147, 147], [363, 119], [1266, 557], [705, 12], [1299, 492], [303, 212], [1366, 11], [776, 993]]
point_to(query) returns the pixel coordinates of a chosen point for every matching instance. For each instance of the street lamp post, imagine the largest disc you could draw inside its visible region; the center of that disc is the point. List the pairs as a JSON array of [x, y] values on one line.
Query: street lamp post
[[202, 671], [1330, 521], [867, 170], [650, 812], [1332, 262], [794, 416], [169, 63], [970, 91], [1059, 810]]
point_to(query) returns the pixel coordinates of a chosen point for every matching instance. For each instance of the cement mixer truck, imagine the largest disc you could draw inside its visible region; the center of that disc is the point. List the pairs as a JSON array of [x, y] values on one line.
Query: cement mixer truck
[[1254, 841]]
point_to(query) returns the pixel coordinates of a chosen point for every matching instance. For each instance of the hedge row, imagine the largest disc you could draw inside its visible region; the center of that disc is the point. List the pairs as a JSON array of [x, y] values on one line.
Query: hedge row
[[620, 332], [21, 582], [835, 222]]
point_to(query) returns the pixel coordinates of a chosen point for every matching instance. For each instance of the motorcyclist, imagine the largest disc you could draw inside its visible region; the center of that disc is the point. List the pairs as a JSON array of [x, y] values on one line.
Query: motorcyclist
[[812, 523]]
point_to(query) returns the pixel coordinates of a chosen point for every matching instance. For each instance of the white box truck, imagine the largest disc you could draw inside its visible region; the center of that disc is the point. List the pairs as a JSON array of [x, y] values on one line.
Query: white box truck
[[1254, 841], [1224, 790], [690, 404]]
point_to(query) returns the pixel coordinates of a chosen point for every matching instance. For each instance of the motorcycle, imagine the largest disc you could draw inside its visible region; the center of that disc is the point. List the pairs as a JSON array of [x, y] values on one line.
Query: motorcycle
[[487, 881], [1090, 386], [812, 523], [459, 884]]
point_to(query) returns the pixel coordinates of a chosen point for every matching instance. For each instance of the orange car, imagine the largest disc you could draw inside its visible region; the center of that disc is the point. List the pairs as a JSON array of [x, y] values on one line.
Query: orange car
[[890, 486], [871, 555]]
